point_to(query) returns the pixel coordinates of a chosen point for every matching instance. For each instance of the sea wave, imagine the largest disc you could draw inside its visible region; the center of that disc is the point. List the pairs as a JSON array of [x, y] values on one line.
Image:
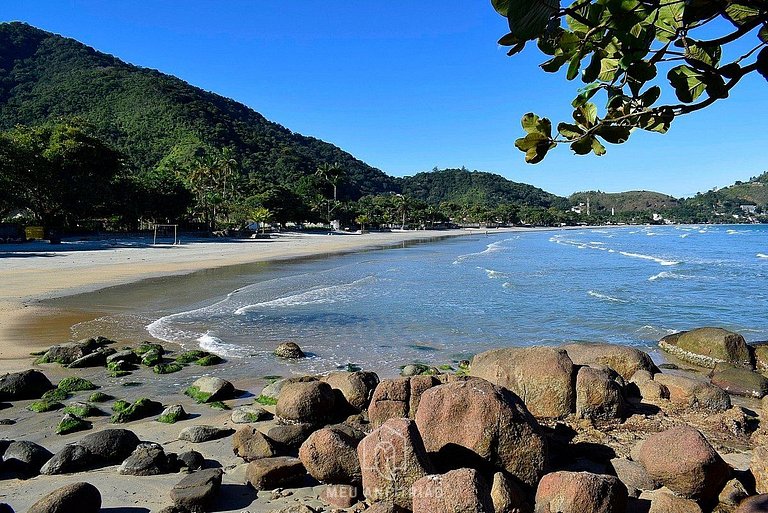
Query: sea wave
[[762, 255], [606, 297], [671, 276], [321, 295], [494, 274], [658, 260], [490, 248], [217, 346]]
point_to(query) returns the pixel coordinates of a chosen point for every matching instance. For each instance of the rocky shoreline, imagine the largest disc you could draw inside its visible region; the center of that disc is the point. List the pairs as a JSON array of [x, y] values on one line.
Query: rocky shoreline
[[574, 429]]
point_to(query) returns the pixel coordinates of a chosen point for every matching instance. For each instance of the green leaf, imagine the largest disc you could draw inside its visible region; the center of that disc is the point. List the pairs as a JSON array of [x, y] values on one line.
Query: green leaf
[[740, 14], [763, 34], [658, 121], [508, 40], [700, 10], [585, 94], [533, 124], [554, 64], [715, 85], [516, 49], [762, 63], [593, 70], [586, 115], [528, 18], [502, 6], [614, 134], [688, 83], [609, 68], [573, 67], [669, 20], [649, 97], [582, 146], [569, 131], [535, 146], [597, 147], [709, 56]]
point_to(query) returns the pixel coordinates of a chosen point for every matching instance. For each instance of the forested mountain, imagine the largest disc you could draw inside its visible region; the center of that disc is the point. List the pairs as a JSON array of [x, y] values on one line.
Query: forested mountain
[[149, 116], [475, 187], [631, 201]]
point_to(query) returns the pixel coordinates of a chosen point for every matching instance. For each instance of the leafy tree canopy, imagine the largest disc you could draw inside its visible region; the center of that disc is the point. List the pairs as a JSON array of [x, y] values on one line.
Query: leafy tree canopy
[[618, 49]]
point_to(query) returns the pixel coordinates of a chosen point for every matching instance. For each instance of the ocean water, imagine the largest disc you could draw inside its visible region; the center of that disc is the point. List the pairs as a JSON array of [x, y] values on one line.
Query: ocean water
[[441, 302]]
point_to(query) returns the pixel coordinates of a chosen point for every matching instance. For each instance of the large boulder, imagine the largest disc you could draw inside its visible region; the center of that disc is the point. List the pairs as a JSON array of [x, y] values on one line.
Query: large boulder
[[508, 496], [580, 492], [683, 460], [543, 377], [290, 437], [477, 424], [739, 380], [355, 387], [458, 491], [210, 388], [76, 497], [250, 444], [624, 360], [29, 384], [691, 393], [271, 473], [392, 458], [149, 459], [598, 394], [707, 347], [196, 491], [310, 402], [662, 501], [759, 468], [70, 459], [754, 504], [633, 475], [398, 398], [341, 496], [290, 350], [110, 445], [25, 458], [330, 456]]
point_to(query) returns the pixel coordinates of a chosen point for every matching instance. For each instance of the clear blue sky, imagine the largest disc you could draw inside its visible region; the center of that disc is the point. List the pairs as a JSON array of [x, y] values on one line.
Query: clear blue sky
[[405, 86]]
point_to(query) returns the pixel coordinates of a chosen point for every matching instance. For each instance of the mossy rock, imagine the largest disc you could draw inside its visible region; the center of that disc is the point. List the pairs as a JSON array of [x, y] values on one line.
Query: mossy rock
[[211, 359], [172, 415], [218, 405], [146, 347], [167, 368], [118, 373], [99, 397], [196, 394], [140, 409], [120, 406], [56, 394], [82, 410], [120, 366], [74, 384], [191, 356], [707, 347], [151, 358], [71, 423], [272, 378], [446, 367], [266, 400], [44, 405]]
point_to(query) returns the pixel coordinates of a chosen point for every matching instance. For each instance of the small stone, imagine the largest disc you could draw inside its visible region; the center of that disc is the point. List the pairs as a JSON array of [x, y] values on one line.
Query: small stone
[[633, 475], [71, 424], [341, 495], [289, 350], [250, 444], [733, 493], [149, 459], [290, 436], [172, 414], [70, 459], [739, 381], [193, 460], [271, 473], [330, 456], [249, 414], [126, 356], [199, 434], [662, 501], [197, 490]]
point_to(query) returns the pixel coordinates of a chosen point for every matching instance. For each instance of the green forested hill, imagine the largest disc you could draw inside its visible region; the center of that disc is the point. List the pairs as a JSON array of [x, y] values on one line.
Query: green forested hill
[[631, 201], [475, 187], [149, 116], [754, 191]]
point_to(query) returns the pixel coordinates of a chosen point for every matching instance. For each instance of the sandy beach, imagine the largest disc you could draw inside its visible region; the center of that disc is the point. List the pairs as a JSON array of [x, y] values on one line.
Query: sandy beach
[[38, 271]]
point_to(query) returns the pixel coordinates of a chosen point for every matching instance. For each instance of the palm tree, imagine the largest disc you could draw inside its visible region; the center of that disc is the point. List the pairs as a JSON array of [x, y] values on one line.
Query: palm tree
[[333, 174]]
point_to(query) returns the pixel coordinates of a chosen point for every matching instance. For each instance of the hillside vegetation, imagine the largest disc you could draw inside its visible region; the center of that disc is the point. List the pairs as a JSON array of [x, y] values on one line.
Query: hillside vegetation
[[631, 201]]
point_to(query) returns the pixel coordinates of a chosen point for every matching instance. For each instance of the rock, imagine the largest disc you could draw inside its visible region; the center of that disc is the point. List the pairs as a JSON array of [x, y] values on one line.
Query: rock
[[598, 395], [708, 346], [199, 434], [754, 504], [290, 436], [250, 444], [330, 456], [475, 423], [356, 387], [739, 381], [249, 414], [341, 495], [172, 414], [148, 459], [691, 393], [624, 360], [542, 377], [193, 460], [25, 458], [398, 398], [140, 409], [392, 458], [110, 445], [761, 356], [759, 468], [633, 475], [653, 391], [95, 359], [126, 356], [5, 508], [29, 384], [662, 501], [306, 402], [76, 497], [289, 350], [273, 389], [733, 493], [580, 492], [683, 460], [75, 384], [197, 490], [71, 424], [70, 459], [151, 358], [210, 388], [65, 354], [417, 386], [457, 491], [271, 473], [507, 496]]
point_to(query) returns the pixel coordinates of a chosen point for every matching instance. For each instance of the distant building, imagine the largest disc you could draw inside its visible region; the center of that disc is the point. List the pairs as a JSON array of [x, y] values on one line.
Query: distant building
[[749, 209]]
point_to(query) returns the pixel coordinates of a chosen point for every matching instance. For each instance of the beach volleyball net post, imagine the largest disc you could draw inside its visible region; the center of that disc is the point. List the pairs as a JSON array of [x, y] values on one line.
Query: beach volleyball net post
[[166, 234]]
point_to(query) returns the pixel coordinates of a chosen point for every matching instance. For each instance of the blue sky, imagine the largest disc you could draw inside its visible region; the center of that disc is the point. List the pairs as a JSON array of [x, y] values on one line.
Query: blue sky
[[405, 86]]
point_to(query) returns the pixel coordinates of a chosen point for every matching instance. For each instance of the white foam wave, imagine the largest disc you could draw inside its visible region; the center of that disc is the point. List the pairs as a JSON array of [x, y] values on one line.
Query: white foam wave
[[605, 297], [658, 260], [217, 346], [507, 285], [316, 296], [490, 248], [494, 274], [762, 255], [672, 276]]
